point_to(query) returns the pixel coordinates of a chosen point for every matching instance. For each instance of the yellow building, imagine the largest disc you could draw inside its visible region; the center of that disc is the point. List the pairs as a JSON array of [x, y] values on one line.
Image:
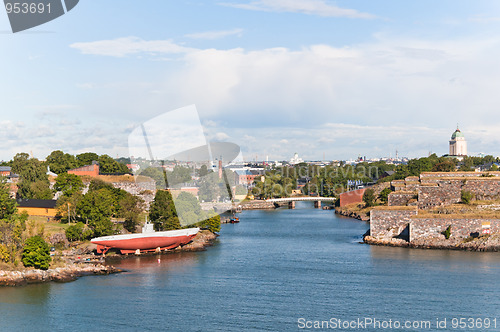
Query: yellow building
[[37, 207]]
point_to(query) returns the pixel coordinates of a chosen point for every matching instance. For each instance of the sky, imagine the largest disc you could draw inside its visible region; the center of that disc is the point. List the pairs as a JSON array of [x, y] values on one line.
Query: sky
[[326, 79]]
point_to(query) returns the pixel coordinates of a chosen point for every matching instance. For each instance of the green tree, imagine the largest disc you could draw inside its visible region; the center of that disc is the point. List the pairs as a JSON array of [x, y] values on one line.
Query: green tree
[[131, 209], [208, 188], [40, 190], [33, 179], [203, 171], [59, 162], [157, 174], [68, 184], [86, 158], [78, 232], [188, 209], [36, 253], [68, 204], [162, 212], [7, 204], [369, 197], [109, 165], [96, 209], [445, 166], [178, 175]]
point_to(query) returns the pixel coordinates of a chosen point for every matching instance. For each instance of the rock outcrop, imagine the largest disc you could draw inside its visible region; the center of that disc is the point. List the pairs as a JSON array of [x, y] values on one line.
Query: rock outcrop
[[62, 274]]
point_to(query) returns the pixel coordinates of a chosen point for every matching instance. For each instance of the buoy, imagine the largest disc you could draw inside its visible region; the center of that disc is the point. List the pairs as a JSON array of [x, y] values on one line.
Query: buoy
[[159, 261]]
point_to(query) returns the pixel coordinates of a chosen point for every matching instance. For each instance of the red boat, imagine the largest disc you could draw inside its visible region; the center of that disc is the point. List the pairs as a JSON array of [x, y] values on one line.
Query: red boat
[[147, 241]]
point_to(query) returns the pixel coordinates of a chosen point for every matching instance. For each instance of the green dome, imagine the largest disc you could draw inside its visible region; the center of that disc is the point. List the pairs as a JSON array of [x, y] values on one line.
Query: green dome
[[456, 134]]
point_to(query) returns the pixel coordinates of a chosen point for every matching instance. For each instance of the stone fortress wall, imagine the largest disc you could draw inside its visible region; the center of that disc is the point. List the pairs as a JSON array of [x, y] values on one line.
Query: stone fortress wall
[[401, 218]]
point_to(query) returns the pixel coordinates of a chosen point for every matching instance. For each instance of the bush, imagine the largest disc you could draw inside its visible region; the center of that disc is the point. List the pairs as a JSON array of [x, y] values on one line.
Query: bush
[[466, 196], [213, 224], [36, 253], [384, 195]]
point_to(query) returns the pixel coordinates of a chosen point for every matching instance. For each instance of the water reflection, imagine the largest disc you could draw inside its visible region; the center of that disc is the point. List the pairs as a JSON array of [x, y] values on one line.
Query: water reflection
[[37, 294]]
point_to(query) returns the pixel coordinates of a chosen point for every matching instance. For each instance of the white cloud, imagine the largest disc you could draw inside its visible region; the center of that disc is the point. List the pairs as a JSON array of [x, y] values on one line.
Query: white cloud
[[378, 94], [121, 47], [310, 7], [211, 35], [220, 136]]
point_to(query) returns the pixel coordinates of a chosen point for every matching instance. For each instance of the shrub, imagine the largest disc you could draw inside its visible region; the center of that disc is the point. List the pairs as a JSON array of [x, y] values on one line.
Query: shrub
[[213, 224], [447, 232], [466, 196], [36, 253], [384, 195]]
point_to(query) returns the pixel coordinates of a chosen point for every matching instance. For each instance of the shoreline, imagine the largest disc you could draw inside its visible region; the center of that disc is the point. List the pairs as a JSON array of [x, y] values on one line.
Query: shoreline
[[80, 265], [346, 212], [481, 244]]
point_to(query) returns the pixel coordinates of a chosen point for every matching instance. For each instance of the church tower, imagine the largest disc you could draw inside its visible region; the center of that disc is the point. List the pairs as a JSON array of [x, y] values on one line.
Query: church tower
[[458, 144]]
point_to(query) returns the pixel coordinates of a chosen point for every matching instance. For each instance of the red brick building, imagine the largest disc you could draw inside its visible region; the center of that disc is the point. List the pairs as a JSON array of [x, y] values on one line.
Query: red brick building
[[90, 170], [350, 197]]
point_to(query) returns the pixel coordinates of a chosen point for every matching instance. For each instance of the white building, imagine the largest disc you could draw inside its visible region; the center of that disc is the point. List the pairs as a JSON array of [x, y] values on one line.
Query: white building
[[458, 144], [296, 159]]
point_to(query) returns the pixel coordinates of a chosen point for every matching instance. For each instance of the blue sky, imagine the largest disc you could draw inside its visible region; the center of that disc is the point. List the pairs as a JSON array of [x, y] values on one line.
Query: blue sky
[[322, 78]]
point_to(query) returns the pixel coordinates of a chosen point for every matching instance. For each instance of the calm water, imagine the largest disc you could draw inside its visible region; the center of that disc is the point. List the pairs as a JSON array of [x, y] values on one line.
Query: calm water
[[265, 273]]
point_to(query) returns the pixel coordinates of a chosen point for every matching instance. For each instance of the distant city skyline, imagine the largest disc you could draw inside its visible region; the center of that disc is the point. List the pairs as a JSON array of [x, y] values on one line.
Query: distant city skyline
[[321, 78]]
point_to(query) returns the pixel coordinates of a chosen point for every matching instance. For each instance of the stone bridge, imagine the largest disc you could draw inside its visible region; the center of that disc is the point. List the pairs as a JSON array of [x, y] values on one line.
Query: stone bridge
[[291, 200]]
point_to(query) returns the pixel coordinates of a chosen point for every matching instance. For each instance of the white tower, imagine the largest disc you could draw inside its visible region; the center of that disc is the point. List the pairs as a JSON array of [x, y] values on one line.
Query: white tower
[[458, 144]]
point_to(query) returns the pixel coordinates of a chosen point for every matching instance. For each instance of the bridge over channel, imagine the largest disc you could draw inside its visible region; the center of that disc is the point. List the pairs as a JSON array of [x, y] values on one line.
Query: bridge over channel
[[291, 200]]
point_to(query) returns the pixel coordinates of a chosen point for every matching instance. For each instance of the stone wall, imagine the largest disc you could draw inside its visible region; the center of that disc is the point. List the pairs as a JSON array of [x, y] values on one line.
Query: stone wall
[[442, 191], [426, 175], [390, 222], [400, 198], [483, 188], [460, 228], [439, 194]]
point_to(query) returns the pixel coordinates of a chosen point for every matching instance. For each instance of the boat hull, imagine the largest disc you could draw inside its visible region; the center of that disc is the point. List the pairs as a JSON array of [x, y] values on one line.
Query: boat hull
[[145, 242]]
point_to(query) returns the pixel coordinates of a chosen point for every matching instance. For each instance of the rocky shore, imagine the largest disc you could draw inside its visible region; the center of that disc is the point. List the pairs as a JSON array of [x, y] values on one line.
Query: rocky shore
[[201, 241], [346, 212], [482, 243], [82, 262], [62, 274]]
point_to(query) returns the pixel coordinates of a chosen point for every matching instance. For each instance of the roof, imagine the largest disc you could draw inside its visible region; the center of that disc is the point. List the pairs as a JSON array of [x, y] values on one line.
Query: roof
[[456, 134], [38, 203], [5, 169]]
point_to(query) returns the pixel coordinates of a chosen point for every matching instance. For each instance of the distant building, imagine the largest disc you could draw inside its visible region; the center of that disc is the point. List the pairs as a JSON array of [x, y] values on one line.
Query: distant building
[[133, 167], [296, 159], [90, 170], [246, 177], [458, 144], [5, 170]]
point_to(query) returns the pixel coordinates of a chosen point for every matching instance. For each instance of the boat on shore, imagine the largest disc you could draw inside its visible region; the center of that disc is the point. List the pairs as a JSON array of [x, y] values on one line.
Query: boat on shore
[[147, 241]]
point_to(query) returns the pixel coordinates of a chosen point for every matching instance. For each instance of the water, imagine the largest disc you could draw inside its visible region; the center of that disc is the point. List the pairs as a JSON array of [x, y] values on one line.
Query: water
[[266, 273]]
